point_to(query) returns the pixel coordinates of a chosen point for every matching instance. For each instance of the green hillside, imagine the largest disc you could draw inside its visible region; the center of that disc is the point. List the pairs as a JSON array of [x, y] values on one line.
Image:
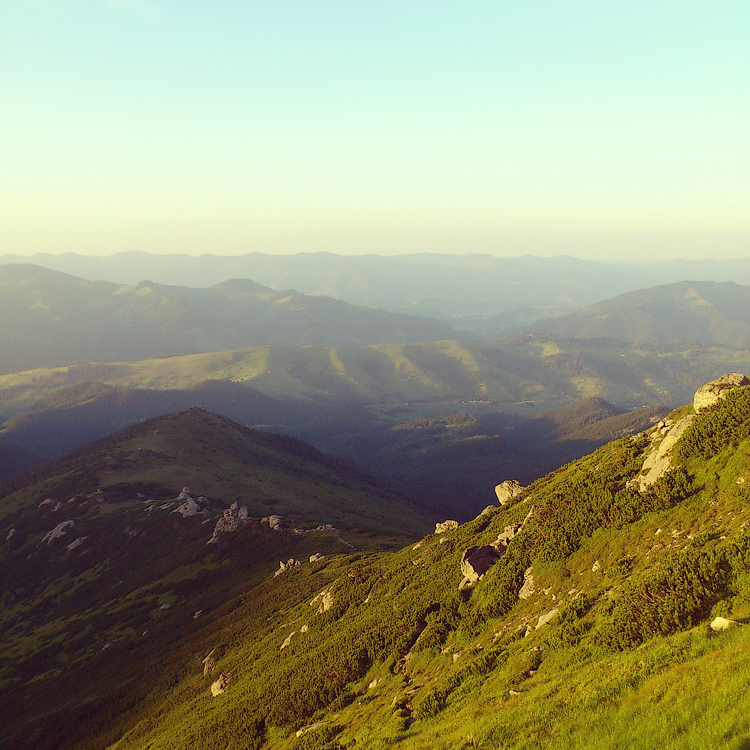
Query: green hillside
[[51, 318], [590, 628], [705, 311]]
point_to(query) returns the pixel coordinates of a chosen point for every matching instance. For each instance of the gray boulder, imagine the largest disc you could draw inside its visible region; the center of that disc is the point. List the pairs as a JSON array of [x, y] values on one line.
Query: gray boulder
[[507, 490]]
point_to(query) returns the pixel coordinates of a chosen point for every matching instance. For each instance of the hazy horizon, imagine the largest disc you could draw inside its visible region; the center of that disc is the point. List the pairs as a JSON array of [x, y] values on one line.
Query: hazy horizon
[[585, 129]]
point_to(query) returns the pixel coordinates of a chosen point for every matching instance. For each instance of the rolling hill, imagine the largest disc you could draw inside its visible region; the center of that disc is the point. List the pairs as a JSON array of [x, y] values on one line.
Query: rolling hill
[[704, 311], [51, 318], [576, 615]]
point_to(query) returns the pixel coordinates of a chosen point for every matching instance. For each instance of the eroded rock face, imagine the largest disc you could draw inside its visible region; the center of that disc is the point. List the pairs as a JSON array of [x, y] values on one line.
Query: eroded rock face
[[708, 394], [659, 461], [188, 507], [507, 490], [441, 528], [273, 522], [476, 561]]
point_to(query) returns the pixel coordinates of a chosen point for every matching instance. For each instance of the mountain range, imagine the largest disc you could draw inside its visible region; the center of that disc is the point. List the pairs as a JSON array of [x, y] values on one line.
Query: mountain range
[[436, 285], [50, 318]]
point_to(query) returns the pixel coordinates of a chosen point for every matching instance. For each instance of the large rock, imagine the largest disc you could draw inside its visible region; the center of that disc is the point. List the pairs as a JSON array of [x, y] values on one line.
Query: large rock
[[708, 394], [324, 600], [475, 562], [441, 528], [507, 490], [284, 566]]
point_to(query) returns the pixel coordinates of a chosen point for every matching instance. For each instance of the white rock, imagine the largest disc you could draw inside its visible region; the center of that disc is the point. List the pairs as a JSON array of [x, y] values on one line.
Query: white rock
[[60, 530], [596, 566], [288, 640], [659, 461], [721, 623], [11, 534], [76, 543], [528, 589], [187, 508], [218, 687], [507, 490], [441, 528], [325, 599], [316, 557], [546, 617]]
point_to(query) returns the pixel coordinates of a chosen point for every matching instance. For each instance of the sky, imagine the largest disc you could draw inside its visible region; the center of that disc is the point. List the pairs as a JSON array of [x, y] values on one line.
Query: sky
[[602, 129]]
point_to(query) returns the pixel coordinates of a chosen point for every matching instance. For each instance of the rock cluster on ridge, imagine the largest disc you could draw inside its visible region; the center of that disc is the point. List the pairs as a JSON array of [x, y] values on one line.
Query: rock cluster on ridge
[[708, 394]]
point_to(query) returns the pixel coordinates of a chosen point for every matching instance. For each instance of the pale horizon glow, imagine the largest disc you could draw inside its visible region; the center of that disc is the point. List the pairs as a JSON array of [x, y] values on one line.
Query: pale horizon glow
[[601, 130]]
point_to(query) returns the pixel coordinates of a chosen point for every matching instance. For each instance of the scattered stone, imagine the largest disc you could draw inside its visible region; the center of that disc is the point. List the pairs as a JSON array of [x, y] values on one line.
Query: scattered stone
[[316, 557], [325, 598], [546, 617], [218, 687], [60, 530], [456, 656], [514, 692], [710, 393], [165, 605], [528, 589], [274, 522], [187, 508], [47, 501], [740, 480], [309, 728], [76, 543], [721, 623], [441, 528], [596, 566], [11, 534], [418, 544], [288, 640], [284, 566], [57, 507], [507, 490], [208, 663], [197, 614], [304, 629]]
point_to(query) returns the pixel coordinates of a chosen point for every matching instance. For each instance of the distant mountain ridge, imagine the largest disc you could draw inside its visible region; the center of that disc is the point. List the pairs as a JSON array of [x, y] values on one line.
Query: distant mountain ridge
[[704, 311], [437, 285], [51, 318]]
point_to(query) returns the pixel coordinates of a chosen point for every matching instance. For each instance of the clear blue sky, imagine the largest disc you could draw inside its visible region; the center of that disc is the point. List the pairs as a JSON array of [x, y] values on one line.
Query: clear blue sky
[[600, 129]]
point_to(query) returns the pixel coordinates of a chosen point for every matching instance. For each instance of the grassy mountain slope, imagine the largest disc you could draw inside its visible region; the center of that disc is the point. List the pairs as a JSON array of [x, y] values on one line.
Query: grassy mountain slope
[[15, 458], [710, 312], [53, 319], [610, 648]]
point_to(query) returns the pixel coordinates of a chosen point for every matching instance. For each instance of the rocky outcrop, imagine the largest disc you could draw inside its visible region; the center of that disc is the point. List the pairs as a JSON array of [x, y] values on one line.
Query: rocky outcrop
[[441, 528], [316, 557], [76, 543], [476, 561], [188, 505], [288, 640], [507, 490], [288, 565], [659, 460], [218, 687], [60, 530], [708, 394], [273, 522], [11, 534], [229, 521]]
